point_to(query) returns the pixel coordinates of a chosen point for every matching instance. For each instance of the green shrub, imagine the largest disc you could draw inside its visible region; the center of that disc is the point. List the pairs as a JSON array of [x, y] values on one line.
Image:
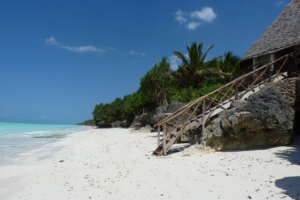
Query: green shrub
[[188, 94]]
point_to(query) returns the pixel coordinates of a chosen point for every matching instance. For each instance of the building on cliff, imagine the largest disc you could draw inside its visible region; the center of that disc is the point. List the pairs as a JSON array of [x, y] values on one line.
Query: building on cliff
[[280, 38]]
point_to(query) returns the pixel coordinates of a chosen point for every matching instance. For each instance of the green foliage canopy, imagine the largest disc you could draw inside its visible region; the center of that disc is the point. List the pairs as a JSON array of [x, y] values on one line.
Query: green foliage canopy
[[156, 83], [195, 77]]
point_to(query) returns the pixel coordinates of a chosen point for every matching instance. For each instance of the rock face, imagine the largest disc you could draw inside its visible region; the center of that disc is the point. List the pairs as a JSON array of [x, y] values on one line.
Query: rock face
[[139, 121], [151, 118], [287, 90], [125, 123], [265, 119], [193, 135], [146, 129], [102, 124], [116, 124]]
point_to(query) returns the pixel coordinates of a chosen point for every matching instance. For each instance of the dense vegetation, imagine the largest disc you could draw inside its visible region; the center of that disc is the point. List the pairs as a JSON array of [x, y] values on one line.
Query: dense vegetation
[[89, 122], [195, 77]]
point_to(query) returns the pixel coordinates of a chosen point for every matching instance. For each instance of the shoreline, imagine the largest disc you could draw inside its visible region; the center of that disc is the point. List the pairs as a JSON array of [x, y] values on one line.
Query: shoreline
[[20, 138], [118, 164]]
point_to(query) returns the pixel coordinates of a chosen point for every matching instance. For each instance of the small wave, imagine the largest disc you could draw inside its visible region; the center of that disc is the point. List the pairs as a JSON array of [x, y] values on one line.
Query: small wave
[[42, 130], [18, 139]]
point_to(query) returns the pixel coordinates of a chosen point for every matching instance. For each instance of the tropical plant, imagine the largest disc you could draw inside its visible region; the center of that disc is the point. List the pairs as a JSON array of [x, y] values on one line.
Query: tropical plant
[[195, 77], [89, 122], [190, 93], [195, 69], [212, 69], [134, 104], [156, 83], [188, 73], [100, 113], [230, 64]]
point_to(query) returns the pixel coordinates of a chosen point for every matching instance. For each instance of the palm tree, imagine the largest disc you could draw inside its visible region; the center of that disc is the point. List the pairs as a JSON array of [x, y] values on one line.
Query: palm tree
[[193, 65], [156, 83], [195, 69], [230, 64], [195, 55]]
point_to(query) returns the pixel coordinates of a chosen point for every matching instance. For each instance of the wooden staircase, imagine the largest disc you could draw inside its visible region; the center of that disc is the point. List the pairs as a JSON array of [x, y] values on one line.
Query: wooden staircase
[[199, 111]]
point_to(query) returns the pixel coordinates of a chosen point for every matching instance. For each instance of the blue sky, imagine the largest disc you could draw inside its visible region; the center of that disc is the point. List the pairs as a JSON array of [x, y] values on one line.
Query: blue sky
[[60, 58]]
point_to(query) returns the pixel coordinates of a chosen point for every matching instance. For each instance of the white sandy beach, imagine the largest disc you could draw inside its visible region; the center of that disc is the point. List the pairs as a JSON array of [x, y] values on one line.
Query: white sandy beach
[[117, 164]]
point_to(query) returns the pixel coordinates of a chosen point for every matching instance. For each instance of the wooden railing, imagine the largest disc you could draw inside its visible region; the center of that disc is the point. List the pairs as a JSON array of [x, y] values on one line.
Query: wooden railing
[[203, 108]]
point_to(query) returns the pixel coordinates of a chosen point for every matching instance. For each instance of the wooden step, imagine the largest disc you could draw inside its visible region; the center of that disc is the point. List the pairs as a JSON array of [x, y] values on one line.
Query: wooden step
[[159, 150]]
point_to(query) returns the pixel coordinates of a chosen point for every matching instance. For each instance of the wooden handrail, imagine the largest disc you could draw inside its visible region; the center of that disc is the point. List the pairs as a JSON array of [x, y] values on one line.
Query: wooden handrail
[[212, 105], [184, 108]]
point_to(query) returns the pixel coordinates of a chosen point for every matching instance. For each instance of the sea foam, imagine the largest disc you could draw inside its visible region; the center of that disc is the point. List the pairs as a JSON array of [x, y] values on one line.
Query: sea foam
[[16, 138]]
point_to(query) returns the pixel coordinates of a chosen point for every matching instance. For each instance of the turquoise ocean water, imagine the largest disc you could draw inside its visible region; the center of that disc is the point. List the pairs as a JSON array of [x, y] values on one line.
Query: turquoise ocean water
[[16, 138]]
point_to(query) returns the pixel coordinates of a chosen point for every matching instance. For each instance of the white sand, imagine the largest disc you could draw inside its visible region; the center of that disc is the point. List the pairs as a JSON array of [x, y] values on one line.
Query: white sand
[[116, 164]]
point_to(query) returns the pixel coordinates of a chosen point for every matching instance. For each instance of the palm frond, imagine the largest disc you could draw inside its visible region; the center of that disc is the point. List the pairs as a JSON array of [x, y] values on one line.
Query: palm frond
[[181, 57], [206, 52]]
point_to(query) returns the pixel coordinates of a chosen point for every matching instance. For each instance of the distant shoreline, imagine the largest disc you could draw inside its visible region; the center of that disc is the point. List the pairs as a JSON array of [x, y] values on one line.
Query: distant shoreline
[[19, 138]]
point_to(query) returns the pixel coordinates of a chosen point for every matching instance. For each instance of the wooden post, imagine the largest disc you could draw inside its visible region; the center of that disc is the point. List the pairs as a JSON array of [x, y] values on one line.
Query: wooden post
[[165, 139], [254, 66], [272, 58], [236, 90], [291, 66], [270, 70], [158, 135], [203, 115], [254, 63]]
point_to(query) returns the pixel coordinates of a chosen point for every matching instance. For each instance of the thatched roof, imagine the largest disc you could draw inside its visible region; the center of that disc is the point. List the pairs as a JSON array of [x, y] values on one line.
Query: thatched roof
[[284, 32]]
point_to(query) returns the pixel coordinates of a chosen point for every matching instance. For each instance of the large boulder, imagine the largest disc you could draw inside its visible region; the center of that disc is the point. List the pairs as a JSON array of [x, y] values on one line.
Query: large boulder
[[146, 129], [116, 124], [193, 134], [152, 117], [163, 111], [139, 121], [125, 123], [102, 124], [287, 90], [265, 119]]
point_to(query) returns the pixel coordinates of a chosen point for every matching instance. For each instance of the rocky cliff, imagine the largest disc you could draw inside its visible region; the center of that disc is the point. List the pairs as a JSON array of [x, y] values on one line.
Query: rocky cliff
[[151, 118], [266, 118]]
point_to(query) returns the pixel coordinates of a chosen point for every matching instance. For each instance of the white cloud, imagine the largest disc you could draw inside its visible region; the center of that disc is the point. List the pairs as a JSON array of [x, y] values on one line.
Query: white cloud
[[51, 40], [133, 52], [206, 14], [86, 48], [174, 62], [193, 25], [180, 17], [192, 20]]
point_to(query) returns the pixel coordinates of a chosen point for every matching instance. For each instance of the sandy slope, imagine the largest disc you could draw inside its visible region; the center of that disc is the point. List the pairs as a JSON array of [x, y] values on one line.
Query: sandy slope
[[116, 164]]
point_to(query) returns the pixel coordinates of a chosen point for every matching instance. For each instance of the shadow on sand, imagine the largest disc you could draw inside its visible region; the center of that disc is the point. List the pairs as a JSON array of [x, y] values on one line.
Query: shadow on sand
[[178, 148], [291, 185]]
